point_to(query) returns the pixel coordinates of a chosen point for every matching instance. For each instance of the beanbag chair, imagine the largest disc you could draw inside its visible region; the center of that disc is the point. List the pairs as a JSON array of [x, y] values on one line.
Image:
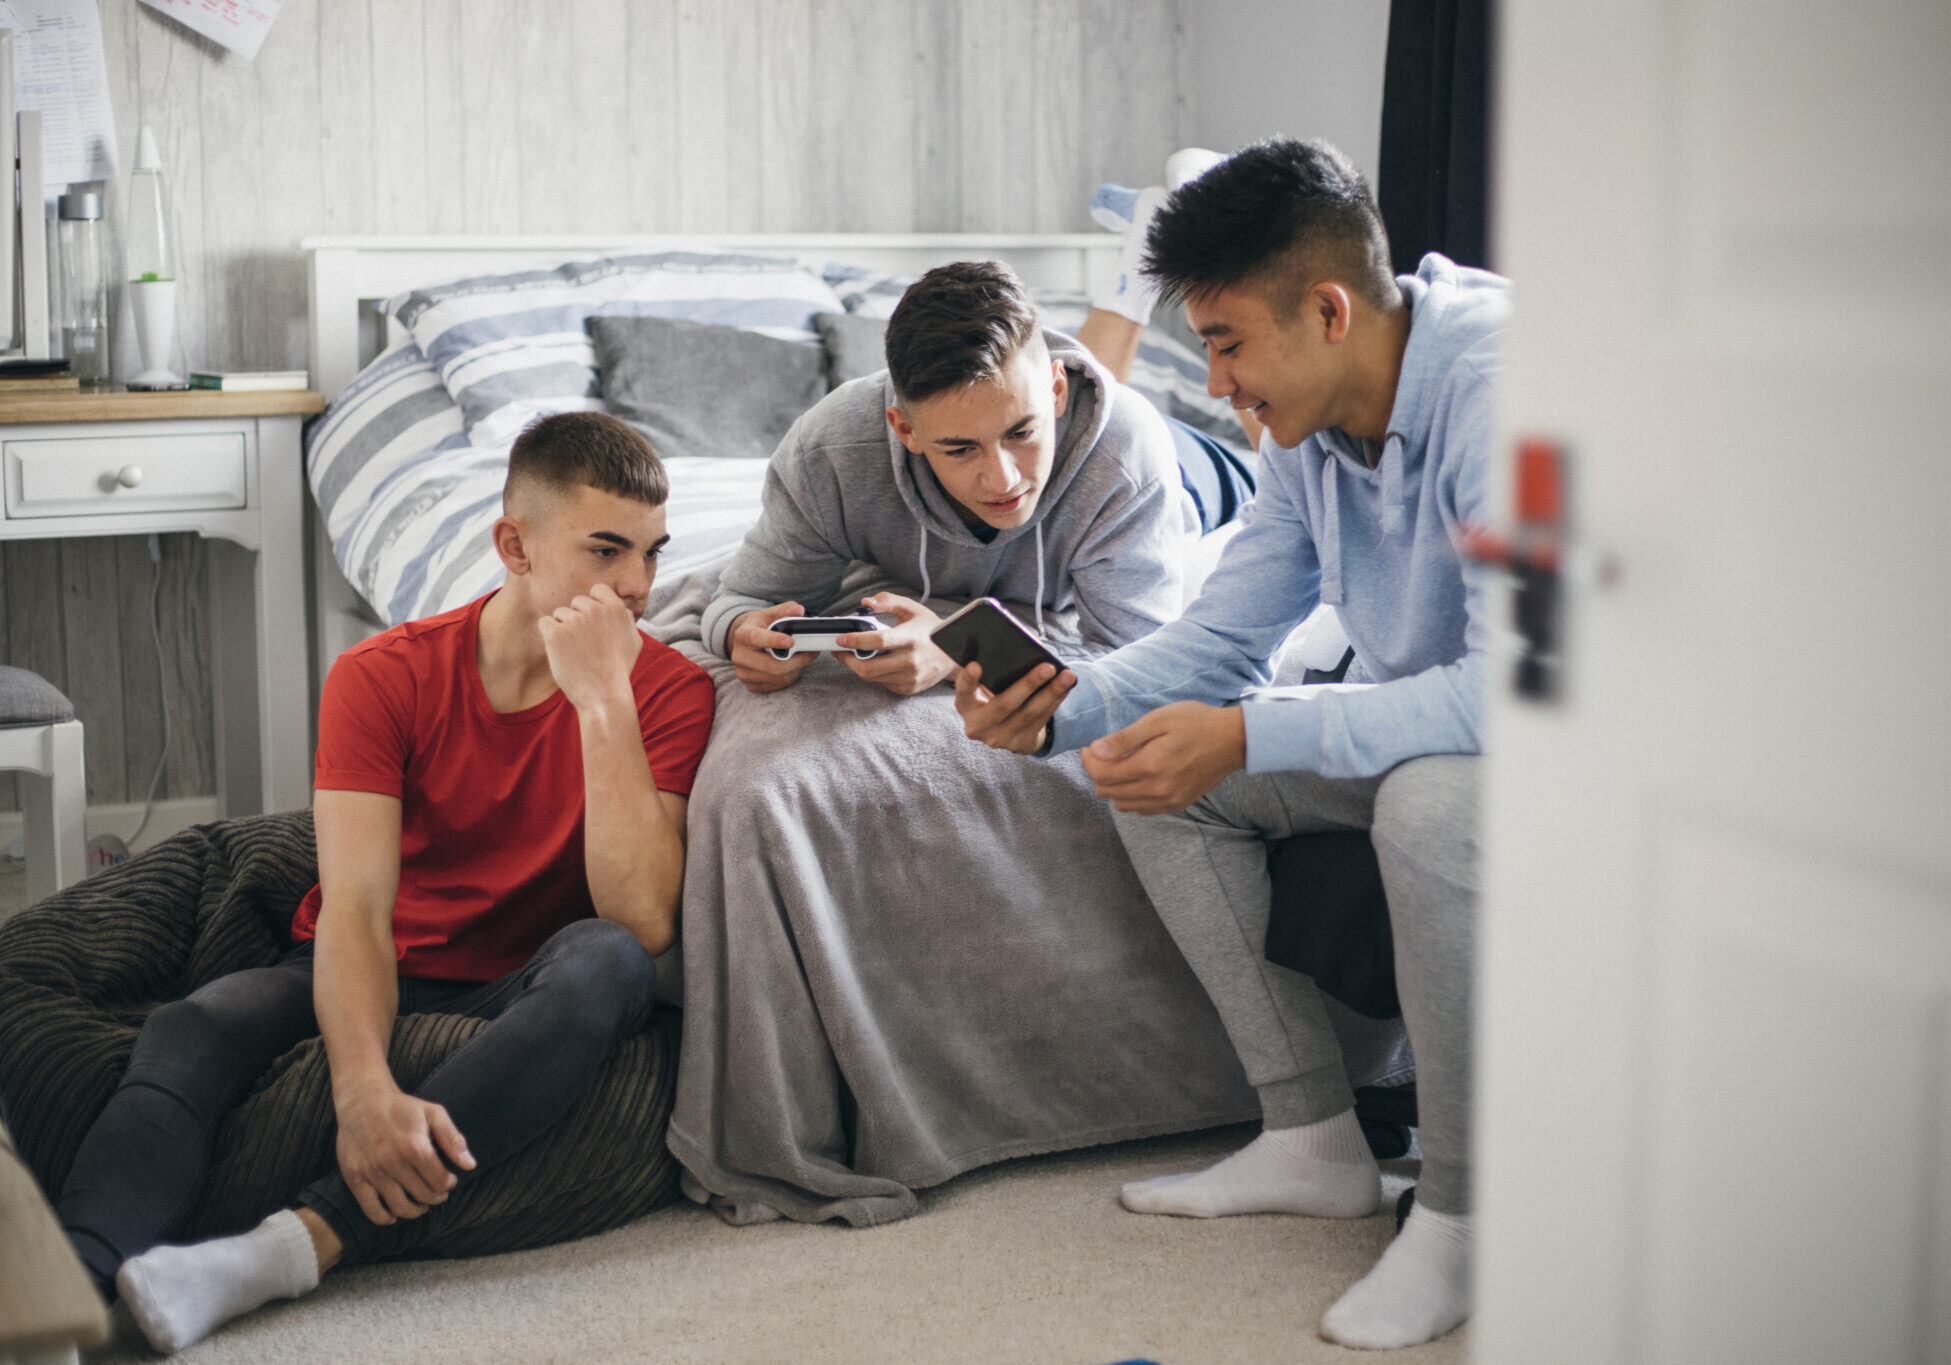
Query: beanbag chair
[[80, 971]]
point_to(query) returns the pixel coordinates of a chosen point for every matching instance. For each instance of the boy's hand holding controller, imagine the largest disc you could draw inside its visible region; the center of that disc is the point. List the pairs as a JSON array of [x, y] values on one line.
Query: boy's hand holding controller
[[909, 661], [752, 637]]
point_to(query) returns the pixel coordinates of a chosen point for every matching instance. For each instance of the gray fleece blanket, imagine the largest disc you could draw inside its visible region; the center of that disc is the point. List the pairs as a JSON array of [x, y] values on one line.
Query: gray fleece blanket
[[906, 955]]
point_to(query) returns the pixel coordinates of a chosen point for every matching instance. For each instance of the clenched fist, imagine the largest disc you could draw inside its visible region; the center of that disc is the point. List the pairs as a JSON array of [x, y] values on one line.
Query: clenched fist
[[593, 644]]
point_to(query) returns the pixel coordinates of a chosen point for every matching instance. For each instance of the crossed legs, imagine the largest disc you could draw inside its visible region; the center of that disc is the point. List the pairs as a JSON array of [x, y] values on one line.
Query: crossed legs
[[142, 1165], [1206, 872]]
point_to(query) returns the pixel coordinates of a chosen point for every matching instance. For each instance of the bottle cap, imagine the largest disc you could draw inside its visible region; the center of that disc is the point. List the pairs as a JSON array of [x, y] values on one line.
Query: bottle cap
[[147, 155], [81, 205]]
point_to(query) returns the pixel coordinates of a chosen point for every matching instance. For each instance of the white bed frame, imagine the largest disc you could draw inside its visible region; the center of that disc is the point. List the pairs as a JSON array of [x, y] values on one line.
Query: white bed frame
[[350, 275]]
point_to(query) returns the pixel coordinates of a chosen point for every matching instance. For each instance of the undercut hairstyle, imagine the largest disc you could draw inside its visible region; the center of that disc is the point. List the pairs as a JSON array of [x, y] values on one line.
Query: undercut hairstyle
[[956, 325], [574, 450], [1279, 217]]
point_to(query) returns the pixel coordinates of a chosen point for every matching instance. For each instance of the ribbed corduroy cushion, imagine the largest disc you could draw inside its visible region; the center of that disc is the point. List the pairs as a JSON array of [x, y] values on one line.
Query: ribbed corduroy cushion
[[80, 972]]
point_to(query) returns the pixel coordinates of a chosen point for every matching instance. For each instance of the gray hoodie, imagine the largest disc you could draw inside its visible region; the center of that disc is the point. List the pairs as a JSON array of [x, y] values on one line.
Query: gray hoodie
[[1096, 566]]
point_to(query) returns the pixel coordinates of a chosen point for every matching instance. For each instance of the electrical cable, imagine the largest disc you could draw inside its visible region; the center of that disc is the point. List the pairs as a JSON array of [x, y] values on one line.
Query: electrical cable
[[162, 681]]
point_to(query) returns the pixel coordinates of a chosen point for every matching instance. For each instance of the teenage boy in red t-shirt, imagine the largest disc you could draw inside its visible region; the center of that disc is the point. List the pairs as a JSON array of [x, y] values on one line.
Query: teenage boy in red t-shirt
[[500, 812]]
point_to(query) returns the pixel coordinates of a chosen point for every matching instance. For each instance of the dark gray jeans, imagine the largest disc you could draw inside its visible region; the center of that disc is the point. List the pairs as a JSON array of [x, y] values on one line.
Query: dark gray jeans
[[142, 1164]]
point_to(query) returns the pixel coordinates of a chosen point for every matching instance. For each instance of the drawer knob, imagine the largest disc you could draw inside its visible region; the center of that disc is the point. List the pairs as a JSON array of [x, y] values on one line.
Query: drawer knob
[[129, 475]]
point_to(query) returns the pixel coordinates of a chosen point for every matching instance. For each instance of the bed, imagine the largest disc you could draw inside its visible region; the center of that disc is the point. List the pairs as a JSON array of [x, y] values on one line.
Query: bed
[[904, 955]]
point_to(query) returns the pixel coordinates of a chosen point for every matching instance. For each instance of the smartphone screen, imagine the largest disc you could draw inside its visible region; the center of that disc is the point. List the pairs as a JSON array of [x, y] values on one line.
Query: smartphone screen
[[983, 632]]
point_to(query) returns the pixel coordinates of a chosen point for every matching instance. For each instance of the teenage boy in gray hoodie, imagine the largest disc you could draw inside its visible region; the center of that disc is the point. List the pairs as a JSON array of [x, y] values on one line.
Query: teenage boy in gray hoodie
[[1376, 396], [991, 458]]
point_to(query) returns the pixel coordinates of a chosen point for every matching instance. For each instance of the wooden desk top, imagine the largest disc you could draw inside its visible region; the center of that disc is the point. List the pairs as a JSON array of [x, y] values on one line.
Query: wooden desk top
[[122, 405]]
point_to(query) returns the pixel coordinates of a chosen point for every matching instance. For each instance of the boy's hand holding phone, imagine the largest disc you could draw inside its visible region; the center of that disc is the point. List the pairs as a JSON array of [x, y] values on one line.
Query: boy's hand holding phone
[[1018, 718], [1026, 682], [751, 637], [909, 661]]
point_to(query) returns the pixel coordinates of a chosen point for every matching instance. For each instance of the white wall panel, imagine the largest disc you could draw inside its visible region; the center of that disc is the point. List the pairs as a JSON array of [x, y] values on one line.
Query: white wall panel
[[493, 116]]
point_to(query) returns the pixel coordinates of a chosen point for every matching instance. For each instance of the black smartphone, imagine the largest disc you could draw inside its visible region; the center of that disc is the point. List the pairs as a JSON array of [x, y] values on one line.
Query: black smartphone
[[984, 633]]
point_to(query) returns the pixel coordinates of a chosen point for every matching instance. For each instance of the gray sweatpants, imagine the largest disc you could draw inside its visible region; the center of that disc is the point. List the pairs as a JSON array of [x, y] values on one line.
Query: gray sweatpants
[[1205, 869]]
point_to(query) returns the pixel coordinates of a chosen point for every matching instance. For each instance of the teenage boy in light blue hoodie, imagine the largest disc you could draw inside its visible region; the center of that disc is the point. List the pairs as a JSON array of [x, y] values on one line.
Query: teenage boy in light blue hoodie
[[1376, 396]]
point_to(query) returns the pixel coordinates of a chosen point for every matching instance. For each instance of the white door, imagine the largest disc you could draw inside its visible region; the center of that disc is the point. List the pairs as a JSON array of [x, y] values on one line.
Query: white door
[[1715, 1091]]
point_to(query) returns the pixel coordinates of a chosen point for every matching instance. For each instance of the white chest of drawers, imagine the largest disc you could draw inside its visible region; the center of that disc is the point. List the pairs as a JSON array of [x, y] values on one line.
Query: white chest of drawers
[[229, 467]]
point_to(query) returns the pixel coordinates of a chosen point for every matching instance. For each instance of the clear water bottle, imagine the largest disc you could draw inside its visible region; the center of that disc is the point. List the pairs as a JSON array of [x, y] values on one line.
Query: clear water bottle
[[84, 285]]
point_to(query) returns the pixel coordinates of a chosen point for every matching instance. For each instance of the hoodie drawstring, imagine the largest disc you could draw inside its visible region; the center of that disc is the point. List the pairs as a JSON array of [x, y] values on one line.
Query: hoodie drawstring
[[1039, 577], [1331, 532], [926, 584], [1394, 514]]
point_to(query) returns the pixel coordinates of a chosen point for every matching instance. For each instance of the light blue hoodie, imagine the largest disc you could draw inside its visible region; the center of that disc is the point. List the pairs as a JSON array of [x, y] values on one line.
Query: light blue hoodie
[[1376, 543]]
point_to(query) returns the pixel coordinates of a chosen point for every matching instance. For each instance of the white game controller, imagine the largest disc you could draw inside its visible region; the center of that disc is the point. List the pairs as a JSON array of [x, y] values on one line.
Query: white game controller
[[821, 635]]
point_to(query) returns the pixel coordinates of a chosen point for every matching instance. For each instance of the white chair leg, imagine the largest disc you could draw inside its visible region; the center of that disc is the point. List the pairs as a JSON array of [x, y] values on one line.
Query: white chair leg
[[65, 757], [54, 814]]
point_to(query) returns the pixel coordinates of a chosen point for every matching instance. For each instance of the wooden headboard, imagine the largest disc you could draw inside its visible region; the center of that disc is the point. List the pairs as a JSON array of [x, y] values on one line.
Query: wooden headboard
[[348, 275]]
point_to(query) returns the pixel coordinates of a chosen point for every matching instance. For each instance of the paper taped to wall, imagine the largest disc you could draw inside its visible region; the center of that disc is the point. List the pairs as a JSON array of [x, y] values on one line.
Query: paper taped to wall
[[59, 70], [239, 25]]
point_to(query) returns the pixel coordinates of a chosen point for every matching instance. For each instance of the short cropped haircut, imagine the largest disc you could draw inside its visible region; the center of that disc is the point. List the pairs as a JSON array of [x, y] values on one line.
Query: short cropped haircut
[[956, 325], [1278, 217], [574, 450]]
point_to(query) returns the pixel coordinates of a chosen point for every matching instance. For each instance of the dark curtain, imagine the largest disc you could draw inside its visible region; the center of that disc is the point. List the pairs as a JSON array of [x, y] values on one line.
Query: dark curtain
[[1434, 170]]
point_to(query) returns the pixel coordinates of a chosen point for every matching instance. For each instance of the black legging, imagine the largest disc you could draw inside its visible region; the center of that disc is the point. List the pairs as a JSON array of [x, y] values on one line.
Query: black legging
[[142, 1165]]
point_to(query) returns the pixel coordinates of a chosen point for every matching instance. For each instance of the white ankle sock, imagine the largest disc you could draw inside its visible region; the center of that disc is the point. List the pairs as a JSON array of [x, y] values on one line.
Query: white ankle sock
[[1419, 1290], [1113, 205], [179, 1295], [1323, 1170], [1128, 293]]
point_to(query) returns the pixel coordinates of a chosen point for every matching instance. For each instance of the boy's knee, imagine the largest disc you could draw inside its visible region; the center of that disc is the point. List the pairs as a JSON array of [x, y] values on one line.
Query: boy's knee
[[195, 1048], [1428, 806], [1224, 806], [182, 1027], [607, 961]]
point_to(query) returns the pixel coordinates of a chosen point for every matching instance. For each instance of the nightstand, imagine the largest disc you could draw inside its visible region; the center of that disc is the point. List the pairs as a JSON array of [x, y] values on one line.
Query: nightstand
[[229, 467]]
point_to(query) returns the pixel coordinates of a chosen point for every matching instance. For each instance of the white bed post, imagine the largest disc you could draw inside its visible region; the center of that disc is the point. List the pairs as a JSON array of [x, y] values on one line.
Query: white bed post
[[334, 323]]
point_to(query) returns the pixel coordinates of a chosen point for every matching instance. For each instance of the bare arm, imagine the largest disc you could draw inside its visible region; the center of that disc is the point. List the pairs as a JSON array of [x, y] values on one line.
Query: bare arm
[[386, 1137], [1113, 338], [357, 986], [633, 834]]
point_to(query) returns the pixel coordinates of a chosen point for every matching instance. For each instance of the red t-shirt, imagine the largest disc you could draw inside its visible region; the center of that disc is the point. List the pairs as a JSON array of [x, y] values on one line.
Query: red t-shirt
[[491, 816]]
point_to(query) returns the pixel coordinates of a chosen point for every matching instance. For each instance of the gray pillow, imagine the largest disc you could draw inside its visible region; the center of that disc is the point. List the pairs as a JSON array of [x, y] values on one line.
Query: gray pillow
[[856, 345], [696, 388]]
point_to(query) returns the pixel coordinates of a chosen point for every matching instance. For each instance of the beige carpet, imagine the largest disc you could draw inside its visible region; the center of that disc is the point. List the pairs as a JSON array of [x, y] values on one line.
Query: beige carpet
[[1031, 1261]]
